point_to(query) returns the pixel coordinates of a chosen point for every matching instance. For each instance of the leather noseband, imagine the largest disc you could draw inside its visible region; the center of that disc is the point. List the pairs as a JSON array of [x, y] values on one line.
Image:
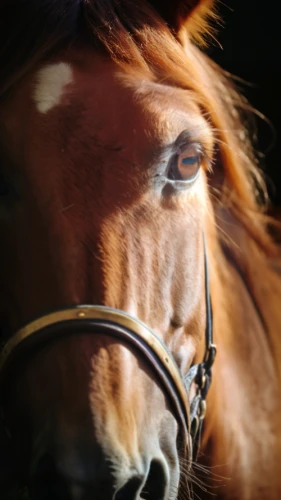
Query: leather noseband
[[120, 325]]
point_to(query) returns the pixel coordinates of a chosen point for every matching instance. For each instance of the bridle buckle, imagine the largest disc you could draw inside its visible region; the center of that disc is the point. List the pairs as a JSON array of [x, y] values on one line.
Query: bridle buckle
[[210, 356]]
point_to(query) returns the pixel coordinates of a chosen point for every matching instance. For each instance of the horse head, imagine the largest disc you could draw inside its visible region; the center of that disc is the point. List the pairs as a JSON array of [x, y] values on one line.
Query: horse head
[[111, 125]]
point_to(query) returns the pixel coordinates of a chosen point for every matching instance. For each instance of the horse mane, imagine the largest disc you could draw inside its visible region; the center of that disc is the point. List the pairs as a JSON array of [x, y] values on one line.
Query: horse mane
[[136, 37]]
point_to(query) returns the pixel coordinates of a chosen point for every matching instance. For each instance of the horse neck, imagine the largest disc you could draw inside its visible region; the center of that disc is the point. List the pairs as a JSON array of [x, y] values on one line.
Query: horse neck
[[243, 433]]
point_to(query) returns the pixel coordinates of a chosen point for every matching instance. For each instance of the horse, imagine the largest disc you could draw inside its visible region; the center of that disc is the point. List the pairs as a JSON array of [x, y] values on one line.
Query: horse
[[134, 237]]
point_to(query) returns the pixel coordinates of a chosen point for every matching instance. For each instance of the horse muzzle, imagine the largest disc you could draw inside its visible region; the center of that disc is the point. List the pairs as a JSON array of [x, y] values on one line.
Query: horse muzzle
[[97, 479], [81, 468]]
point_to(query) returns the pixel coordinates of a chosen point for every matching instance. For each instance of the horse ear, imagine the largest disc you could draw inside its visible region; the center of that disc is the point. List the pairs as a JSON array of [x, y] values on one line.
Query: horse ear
[[190, 15]]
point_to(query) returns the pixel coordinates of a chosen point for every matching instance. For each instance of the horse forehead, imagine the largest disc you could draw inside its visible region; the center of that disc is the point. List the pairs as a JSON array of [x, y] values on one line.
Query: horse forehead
[[105, 88]]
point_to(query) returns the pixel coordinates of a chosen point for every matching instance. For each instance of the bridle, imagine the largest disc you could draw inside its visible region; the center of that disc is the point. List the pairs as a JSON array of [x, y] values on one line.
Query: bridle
[[120, 325]]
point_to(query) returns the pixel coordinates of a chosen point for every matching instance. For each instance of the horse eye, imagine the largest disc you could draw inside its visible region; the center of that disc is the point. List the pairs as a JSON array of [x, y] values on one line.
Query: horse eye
[[186, 164]]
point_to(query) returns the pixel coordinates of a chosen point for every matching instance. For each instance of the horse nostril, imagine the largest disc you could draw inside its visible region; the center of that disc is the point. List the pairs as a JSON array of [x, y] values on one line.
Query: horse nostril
[[154, 487], [156, 484], [130, 490]]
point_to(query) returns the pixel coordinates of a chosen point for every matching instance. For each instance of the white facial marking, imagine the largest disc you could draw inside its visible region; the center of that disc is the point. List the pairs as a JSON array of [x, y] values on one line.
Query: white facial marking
[[50, 85]]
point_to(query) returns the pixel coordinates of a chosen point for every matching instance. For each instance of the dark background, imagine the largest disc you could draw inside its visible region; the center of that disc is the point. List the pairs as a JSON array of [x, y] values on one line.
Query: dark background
[[251, 49]]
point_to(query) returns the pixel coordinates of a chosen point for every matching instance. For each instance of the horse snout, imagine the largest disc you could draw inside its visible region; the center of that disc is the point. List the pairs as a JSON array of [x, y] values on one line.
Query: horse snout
[[49, 480]]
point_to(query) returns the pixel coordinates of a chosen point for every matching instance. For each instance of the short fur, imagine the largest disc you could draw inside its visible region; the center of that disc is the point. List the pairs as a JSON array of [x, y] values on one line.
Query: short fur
[[138, 39]]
